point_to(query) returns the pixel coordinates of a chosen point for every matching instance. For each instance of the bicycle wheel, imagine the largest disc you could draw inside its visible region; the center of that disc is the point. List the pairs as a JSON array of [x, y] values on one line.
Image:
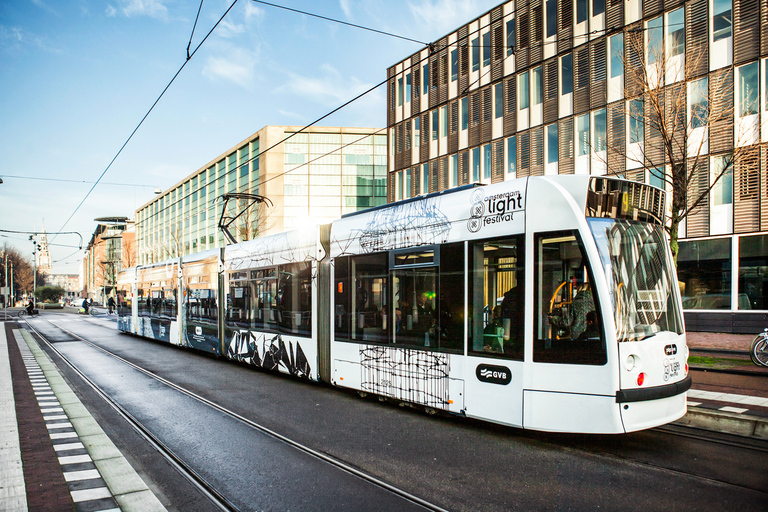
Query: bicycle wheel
[[759, 350], [23, 312]]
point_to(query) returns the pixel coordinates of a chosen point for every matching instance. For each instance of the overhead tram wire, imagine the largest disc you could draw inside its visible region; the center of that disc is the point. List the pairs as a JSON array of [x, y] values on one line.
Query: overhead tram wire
[[193, 28], [430, 46], [342, 22], [73, 181], [189, 57]]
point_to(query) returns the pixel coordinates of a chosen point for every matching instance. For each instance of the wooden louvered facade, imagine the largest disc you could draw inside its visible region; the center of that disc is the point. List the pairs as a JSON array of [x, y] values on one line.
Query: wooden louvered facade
[[482, 63]]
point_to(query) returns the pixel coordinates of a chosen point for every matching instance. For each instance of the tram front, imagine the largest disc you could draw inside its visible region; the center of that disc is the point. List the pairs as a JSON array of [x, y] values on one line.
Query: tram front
[[625, 220]]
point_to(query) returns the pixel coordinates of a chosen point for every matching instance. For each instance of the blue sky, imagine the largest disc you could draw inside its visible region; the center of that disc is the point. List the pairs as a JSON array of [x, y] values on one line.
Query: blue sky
[[77, 76]]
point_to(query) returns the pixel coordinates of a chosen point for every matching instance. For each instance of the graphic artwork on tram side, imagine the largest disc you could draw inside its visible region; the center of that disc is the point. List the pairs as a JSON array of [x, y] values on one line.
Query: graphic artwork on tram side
[[405, 225], [411, 375], [269, 354]]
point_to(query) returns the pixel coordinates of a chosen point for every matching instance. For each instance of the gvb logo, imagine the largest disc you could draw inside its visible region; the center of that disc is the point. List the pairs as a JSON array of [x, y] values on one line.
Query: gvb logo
[[494, 374]]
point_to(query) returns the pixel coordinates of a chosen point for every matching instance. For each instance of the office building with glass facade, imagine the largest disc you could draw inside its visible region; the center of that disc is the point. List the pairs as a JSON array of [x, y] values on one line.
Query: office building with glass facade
[[313, 177], [538, 87]]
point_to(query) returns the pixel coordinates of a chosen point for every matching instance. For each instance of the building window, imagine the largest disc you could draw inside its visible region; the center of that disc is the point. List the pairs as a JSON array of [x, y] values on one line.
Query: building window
[[617, 55], [454, 65], [551, 14], [444, 122], [656, 177], [512, 156], [475, 164], [552, 143], [407, 87], [676, 32], [600, 133], [566, 74], [721, 19], [536, 79], [425, 77], [748, 89], [487, 161], [581, 11], [464, 113], [407, 191], [416, 131], [435, 121], [522, 90], [425, 179], [476, 54], [654, 34], [636, 126], [704, 271], [399, 92], [598, 7], [582, 124], [697, 95], [511, 37], [753, 272], [454, 170], [486, 49], [498, 100], [722, 190]]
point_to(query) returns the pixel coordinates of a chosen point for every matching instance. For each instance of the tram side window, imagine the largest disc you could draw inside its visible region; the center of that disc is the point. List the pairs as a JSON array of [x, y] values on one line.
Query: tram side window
[[568, 326], [450, 306], [294, 298], [264, 290], [428, 298], [167, 305], [414, 294], [238, 302], [201, 302], [361, 302], [144, 308], [498, 298]]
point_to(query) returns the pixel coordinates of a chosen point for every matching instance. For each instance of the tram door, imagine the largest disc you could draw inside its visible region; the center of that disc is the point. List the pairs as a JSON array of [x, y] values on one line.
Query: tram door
[[570, 383], [494, 373]]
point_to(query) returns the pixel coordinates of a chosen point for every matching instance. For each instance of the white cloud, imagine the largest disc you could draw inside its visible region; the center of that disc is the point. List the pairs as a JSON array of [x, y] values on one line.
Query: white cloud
[[17, 39], [150, 8], [344, 4], [43, 5], [237, 67], [329, 89], [110, 11], [253, 12], [228, 28], [444, 15]]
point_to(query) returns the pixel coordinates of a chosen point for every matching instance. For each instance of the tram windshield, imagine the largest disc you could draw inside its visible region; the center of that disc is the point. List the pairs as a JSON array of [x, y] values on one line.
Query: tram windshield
[[641, 280]]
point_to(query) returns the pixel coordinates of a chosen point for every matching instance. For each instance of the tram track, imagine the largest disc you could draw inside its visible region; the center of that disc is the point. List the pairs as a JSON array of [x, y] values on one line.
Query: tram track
[[189, 473]]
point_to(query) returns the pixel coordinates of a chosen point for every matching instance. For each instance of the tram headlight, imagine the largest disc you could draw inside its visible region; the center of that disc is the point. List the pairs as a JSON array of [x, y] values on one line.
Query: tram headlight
[[631, 362]]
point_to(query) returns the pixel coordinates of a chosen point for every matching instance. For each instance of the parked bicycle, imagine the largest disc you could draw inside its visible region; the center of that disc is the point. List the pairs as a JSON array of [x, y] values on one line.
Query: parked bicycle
[[758, 351]]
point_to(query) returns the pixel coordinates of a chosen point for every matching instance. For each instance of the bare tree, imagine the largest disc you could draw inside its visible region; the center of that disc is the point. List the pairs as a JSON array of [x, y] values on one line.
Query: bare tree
[[19, 270], [256, 219], [678, 117]]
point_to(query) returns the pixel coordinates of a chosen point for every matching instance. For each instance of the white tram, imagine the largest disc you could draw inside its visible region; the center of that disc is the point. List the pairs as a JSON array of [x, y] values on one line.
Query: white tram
[[545, 303]]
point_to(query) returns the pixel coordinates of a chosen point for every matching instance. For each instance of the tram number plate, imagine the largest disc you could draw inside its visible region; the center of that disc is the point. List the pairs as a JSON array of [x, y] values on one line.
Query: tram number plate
[[493, 374]]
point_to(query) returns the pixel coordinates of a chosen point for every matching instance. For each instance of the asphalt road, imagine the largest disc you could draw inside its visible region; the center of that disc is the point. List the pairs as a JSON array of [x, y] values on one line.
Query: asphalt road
[[454, 463]]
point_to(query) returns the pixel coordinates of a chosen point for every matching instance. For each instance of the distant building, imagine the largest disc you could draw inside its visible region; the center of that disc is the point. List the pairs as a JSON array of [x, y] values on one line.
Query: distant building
[[43, 254], [70, 283], [314, 177], [111, 248], [539, 87]]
